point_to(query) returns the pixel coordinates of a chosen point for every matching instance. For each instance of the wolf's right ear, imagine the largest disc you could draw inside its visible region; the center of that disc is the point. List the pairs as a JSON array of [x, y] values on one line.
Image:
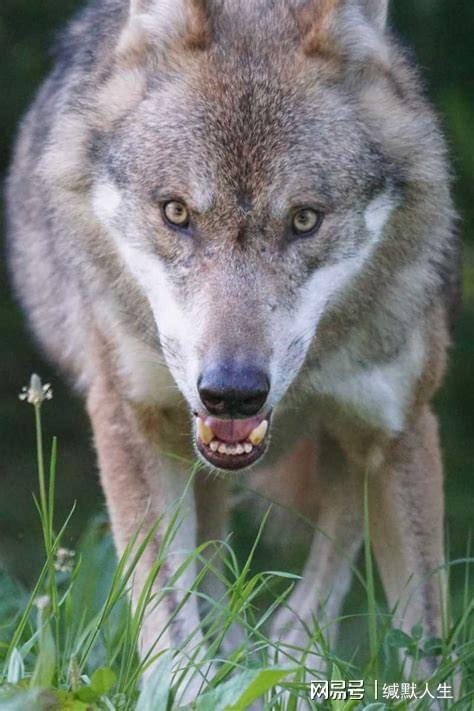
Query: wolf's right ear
[[158, 24]]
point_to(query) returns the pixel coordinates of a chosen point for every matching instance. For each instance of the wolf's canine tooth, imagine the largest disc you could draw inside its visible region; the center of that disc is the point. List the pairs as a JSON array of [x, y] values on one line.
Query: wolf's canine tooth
[[258, 434], [205, 433]]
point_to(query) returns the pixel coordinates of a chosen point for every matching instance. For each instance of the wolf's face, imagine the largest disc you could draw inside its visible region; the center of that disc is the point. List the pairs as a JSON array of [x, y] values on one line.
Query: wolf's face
[[244, 194]]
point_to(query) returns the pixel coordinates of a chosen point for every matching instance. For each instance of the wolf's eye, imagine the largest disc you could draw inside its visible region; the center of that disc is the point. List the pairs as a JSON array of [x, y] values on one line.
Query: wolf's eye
[[305, 221], [176, 213]]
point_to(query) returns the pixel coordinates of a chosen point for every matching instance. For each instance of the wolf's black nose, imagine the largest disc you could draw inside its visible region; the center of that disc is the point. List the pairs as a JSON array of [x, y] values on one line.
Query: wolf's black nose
[[233, 390]]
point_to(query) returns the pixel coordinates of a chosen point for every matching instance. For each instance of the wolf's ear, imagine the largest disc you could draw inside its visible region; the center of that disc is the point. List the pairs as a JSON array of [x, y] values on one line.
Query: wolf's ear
[[353, 29], [158, 24], [376, 11]]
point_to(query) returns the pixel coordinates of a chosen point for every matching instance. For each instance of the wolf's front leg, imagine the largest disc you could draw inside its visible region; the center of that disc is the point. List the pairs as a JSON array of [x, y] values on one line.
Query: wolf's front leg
[[406, 512], [141, 484], [318, 597]]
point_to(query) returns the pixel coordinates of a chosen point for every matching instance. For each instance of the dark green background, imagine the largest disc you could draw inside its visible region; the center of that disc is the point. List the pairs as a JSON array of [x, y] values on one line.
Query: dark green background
[[440, 33]]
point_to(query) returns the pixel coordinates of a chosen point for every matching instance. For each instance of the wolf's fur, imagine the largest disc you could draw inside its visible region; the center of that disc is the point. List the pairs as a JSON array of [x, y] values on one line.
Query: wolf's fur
[[244, 109]]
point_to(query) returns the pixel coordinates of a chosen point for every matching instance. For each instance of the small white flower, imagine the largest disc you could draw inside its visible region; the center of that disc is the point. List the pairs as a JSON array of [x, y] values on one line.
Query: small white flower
[[43, 602], [36, 393], [64, 562]]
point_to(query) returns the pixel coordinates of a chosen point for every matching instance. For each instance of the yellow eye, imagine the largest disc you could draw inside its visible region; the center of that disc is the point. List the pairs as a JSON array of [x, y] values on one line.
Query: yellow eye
[[176, 213], [305, 220]]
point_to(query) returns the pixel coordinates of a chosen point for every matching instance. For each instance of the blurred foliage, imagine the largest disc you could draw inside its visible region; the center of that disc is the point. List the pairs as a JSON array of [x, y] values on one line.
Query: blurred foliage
[[439, 32]]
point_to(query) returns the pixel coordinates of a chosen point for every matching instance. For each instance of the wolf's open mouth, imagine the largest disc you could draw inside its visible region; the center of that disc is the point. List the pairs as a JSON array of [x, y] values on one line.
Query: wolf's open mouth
[[232, 444]]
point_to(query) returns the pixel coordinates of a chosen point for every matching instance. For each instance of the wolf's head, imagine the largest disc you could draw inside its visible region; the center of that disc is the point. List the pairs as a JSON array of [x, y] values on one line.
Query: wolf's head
[[245, 189]]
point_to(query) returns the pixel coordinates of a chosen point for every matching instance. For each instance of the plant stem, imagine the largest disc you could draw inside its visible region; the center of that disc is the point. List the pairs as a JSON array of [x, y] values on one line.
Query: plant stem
[[41, 479]]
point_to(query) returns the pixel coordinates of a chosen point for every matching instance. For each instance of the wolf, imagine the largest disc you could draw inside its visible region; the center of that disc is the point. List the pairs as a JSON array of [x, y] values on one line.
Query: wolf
[[230, 224]]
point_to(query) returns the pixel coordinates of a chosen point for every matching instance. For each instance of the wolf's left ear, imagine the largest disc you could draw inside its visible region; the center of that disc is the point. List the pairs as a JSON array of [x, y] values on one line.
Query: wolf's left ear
[[353, 29], [376, 11], [158, 24]]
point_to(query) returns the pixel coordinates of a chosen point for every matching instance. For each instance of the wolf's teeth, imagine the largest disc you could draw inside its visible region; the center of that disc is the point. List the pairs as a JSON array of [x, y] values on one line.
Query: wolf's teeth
[[205, 433], [230, 449], [258, 434]]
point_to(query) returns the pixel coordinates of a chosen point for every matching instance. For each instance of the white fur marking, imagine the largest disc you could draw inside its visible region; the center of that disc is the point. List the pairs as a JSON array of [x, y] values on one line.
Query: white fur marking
[[149, 377], [106, 200], [172, 320], [326, 284], [377, 215]]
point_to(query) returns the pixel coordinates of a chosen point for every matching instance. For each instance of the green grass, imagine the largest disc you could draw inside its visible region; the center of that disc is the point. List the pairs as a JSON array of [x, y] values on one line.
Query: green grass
[[70, 643]]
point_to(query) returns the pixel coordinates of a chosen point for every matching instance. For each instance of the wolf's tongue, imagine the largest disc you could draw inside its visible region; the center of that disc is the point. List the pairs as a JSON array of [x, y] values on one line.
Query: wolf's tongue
[[232, 431]]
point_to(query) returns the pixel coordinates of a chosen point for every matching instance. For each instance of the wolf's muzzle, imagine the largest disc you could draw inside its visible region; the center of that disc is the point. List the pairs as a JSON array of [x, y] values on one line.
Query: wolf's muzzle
[[231, 433]]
